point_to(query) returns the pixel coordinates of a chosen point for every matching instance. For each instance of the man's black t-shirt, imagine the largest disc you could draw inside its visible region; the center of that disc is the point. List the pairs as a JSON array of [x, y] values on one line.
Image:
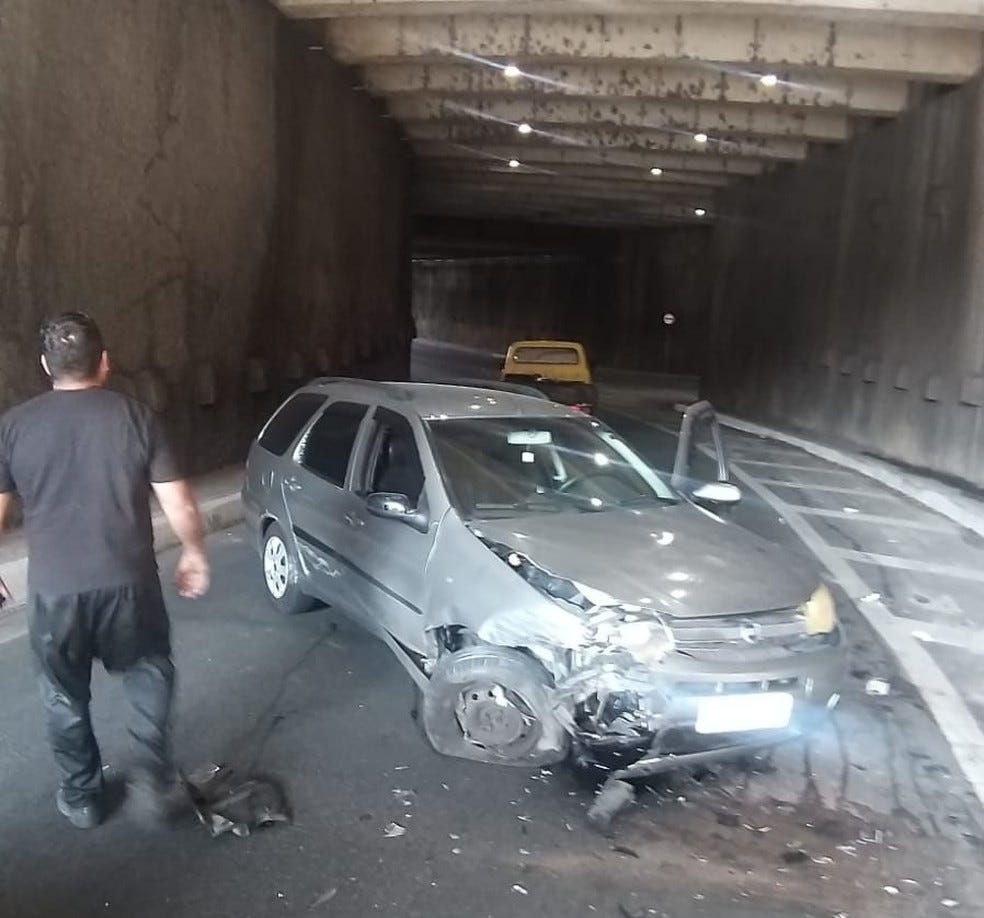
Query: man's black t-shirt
[[83, 461]]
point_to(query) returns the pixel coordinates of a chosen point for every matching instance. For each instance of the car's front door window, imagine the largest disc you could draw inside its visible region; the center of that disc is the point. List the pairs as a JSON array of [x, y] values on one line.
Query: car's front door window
[[394, 463]]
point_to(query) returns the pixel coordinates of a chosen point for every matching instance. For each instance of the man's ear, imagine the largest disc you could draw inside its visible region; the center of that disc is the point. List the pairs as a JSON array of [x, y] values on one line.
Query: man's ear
[[105, 368], [44, 366]]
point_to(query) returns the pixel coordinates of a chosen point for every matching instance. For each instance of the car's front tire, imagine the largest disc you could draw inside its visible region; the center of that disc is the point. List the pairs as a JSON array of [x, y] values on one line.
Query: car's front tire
[[281, 574], [491, 704]]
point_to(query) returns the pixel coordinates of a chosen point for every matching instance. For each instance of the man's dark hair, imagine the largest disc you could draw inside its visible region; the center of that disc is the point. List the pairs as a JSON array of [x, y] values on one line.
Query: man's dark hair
[[72, 346]]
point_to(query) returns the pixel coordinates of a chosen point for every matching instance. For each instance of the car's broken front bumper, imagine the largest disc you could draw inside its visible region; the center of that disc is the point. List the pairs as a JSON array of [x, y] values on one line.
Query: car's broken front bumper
[[686, 712]]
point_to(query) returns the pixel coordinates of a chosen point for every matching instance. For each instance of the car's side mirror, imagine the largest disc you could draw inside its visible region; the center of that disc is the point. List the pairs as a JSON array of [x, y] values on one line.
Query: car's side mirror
[[396, 507], [718, 494]]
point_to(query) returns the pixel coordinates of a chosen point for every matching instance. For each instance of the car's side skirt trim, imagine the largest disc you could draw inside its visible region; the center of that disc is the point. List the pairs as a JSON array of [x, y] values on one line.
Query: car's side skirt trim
[[318, 545]]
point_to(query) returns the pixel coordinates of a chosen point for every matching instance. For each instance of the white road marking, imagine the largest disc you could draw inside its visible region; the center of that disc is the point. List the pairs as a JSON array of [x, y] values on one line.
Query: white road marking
[[968, 639], [927, 525], [834, 489], [910, 564], [795, 468], [948, 708]]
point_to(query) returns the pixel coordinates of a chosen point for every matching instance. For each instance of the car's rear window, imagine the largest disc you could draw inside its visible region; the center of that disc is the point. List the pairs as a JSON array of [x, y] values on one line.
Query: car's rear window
[[286, 424], [328, 444], [568, 355]]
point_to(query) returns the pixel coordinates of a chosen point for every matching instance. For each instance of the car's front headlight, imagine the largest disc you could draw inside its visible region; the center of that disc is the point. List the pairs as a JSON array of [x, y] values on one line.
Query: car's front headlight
[[819, 612]]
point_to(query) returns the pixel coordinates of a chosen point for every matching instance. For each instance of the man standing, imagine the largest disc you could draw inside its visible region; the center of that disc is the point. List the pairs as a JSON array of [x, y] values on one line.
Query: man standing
[[83, 460]]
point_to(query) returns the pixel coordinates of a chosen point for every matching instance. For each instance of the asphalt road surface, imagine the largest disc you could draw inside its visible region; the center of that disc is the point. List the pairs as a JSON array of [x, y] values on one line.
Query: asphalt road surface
[[870, 817]]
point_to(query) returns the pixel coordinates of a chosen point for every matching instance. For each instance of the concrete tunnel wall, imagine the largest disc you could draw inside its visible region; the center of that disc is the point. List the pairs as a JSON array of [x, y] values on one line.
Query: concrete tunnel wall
[[610, 292], [849, 292], [212, 192]]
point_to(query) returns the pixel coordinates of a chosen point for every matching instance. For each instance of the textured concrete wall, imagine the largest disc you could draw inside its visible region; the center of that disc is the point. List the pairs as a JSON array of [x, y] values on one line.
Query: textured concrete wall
[[610, 292], [211, 191], [849, 295]]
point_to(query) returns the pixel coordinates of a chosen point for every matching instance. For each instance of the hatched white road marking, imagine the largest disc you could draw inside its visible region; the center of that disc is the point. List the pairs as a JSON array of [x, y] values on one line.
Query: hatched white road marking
[[944, 701]]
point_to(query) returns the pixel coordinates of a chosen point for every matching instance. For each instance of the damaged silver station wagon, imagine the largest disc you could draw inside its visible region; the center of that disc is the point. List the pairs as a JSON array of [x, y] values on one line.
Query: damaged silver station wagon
[[545, 587]]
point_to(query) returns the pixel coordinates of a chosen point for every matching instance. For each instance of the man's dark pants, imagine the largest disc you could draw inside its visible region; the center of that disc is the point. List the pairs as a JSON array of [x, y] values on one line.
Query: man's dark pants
[[127, 628]]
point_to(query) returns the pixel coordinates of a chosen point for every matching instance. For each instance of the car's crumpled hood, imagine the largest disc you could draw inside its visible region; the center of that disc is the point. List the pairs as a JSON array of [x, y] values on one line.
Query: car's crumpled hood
[[683, 561]]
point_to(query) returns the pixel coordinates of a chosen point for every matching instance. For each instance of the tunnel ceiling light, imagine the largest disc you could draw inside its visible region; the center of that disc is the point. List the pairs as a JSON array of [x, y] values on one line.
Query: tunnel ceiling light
[[514, 164], [700, 212], [525, 128], [769, 80], [701, 137], [316, 47], [511, 72], [655, 171]]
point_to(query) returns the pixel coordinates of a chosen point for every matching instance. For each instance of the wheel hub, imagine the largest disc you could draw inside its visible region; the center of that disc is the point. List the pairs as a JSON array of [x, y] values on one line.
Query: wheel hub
[[275, 567], [491, 718]]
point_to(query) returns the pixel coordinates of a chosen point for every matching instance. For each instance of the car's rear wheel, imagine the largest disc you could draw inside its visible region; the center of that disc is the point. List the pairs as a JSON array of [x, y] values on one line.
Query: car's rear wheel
[[281, 574], [491, 704]]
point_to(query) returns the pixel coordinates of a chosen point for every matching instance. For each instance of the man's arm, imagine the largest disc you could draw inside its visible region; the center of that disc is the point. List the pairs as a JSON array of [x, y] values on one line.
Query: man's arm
[[6, 502], [181, 509]]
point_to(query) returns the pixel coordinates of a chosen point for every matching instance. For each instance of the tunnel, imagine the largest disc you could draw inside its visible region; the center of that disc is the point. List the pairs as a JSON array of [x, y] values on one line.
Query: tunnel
[[766, 213]]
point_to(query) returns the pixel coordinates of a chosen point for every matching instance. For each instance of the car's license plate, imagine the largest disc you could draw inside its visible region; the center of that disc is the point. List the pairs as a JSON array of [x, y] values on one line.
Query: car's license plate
[[735, 713]]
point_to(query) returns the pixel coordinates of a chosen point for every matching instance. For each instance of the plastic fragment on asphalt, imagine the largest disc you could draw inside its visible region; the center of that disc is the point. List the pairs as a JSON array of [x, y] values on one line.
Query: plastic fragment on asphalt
[[797, 856], [870, 597], [823, 859], [224, 804], [456, 850], [877, 687], [394, 830], [613, 797], [891, 890], [849, 850], [324, 898], [524, 819], [875, 838], [453, 837], [524, 852], [949, 903], [520, 889]]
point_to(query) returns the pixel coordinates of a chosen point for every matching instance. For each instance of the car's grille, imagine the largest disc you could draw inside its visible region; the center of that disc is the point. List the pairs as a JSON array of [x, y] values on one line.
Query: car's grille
[[761, 632]]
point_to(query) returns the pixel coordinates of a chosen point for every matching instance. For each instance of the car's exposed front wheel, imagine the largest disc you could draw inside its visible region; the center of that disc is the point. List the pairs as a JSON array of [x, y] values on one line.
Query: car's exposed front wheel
[[491, 704], [281, 574]]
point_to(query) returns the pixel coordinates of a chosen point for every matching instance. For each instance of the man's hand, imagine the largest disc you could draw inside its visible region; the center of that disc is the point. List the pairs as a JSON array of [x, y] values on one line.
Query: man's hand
[[181, 510], [192, 574], [5, 594]]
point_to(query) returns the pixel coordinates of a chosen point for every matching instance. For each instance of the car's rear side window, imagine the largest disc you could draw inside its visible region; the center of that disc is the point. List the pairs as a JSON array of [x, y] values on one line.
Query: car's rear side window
[[286, 424], [328, 444]]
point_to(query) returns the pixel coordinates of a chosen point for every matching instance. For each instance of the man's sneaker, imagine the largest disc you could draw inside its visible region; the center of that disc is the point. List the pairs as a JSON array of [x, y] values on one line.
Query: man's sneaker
[[82, 816], [157, 801]]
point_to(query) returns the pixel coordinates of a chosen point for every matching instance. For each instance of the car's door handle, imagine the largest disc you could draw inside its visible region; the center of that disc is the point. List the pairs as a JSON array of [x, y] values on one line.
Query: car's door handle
[[292, 484], [354, 520]]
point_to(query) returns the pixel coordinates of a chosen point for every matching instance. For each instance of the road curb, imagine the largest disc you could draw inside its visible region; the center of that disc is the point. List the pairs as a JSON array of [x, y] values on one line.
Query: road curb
[[217, 514]]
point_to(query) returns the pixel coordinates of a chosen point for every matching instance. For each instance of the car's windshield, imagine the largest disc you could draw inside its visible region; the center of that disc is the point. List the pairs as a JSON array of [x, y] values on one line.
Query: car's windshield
[[505, 467]]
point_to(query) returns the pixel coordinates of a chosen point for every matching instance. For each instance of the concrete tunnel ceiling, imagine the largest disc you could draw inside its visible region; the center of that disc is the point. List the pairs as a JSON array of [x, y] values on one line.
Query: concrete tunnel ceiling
[[634, 113]]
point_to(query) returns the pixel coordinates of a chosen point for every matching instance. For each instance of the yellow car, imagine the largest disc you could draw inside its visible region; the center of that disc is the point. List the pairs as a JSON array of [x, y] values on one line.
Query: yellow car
[[559, 369]]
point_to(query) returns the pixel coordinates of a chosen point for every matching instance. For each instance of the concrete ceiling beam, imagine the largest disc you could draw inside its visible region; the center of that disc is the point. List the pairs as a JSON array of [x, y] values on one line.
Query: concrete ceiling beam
[[866, 95], [445, 200], [598, 136], [552, 154], [714, 119], [547, 188], [629, 187], [614, 174], [766, 42], [964, 14]]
